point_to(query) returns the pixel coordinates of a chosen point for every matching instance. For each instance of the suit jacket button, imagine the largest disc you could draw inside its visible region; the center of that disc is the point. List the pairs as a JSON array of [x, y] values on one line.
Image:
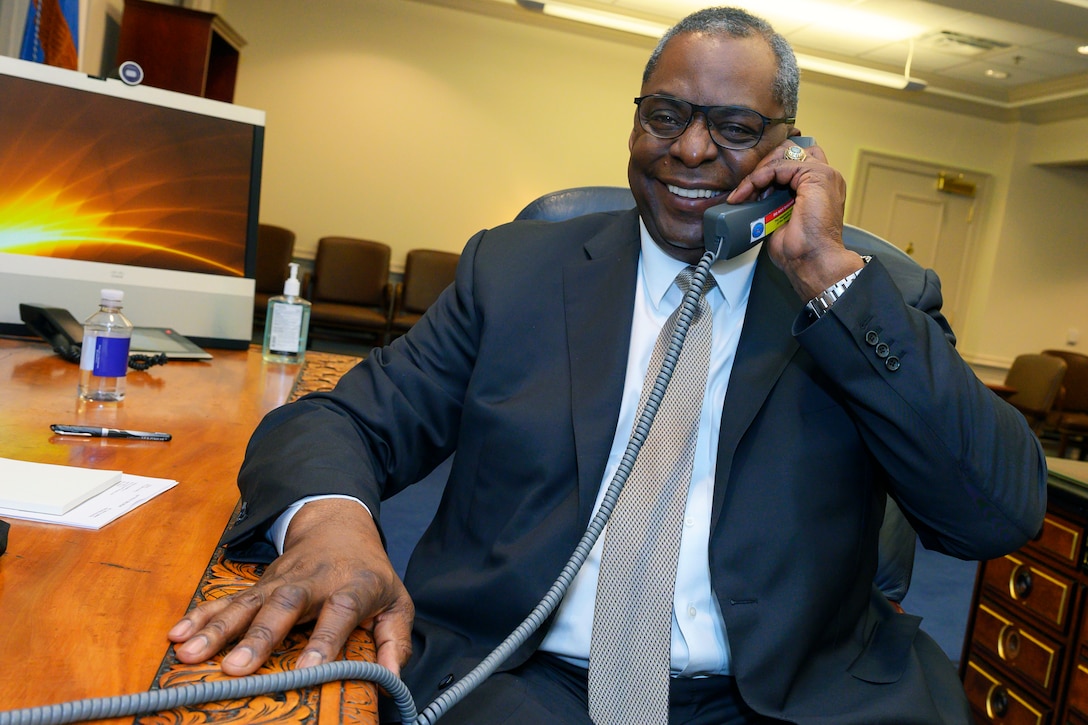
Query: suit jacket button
[[882, 350], [871, 337], [446, 681], [892, 363]]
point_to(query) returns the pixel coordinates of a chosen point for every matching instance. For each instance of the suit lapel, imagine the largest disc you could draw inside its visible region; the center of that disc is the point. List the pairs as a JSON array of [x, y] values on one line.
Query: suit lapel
[[598, 298], [765, 348]]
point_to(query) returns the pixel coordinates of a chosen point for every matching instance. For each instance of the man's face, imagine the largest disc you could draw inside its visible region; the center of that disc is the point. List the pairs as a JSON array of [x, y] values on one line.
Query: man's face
[[675, 180]]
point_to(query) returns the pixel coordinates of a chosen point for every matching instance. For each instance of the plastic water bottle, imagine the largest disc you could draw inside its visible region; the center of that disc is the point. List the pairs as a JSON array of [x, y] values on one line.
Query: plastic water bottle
[[103, 362]]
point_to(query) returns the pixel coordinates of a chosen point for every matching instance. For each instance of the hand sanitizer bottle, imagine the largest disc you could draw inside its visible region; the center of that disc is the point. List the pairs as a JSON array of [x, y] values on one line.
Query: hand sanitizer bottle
[[287, 323]]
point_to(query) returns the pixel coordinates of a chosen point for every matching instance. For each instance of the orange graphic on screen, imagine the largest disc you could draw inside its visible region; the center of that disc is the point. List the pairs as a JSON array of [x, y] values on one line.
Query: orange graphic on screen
[[102, 179]]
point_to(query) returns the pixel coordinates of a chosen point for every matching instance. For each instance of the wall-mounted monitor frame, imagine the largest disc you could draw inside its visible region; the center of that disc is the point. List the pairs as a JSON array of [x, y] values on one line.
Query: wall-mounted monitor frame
[[153, 192]]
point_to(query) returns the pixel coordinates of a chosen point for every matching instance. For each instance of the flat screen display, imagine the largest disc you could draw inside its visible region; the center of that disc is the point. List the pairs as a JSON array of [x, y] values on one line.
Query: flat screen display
[[104, 179], [150, 191]]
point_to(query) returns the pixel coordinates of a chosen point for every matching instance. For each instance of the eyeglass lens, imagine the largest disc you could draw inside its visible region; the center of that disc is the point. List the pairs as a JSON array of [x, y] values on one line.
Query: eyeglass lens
[[732, 127]]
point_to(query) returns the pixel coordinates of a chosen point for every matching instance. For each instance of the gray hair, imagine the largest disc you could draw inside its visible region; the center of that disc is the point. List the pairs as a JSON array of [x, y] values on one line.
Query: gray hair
[[737, 23]]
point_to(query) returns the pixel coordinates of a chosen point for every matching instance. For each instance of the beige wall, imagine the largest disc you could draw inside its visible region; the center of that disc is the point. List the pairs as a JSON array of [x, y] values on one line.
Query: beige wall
[[418, 125]]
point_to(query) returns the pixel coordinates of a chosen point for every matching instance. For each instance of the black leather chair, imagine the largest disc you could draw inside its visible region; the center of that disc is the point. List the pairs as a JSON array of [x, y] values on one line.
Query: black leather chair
[[897, 537]]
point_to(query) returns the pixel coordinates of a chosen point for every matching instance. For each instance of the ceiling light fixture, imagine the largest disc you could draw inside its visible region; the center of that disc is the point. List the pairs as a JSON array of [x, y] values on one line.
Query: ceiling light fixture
[[600, 18], [637, 26], [860, 73]]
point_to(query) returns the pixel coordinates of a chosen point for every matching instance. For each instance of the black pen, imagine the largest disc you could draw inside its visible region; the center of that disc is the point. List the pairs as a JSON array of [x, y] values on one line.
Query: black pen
[[96, 432]]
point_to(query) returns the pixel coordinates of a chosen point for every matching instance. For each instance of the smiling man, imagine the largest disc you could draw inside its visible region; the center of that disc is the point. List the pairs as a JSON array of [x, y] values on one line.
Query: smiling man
[[531, 367]]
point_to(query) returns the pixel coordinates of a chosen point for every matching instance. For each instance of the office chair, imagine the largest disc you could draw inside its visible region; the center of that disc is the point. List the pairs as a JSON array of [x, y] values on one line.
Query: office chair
[[349, 289], [560, 205], [275, 249], [426, 273], [1036, 380], [1069, 418]]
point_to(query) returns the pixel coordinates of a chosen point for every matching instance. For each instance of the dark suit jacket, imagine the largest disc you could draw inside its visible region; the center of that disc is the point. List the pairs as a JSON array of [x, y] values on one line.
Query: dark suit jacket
[[519, 367]]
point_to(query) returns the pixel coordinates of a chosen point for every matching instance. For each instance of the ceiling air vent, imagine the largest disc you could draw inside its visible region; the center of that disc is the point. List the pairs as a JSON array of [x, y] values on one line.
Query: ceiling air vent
[[961, 44]]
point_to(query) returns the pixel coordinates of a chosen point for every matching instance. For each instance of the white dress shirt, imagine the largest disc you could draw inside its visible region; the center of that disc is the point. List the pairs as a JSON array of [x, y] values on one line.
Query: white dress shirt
[[699, 642]]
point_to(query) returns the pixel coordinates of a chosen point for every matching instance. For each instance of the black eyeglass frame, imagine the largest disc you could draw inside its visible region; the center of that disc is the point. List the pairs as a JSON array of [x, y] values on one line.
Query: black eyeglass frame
[[706, 111]]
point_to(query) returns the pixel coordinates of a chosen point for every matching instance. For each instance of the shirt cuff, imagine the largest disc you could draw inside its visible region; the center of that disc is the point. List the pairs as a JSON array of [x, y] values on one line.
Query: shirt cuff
[[277, 532]]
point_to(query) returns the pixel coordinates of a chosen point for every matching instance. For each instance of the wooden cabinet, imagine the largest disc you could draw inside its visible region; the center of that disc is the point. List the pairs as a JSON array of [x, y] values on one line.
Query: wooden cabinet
[[180, 49], [1025, 657]]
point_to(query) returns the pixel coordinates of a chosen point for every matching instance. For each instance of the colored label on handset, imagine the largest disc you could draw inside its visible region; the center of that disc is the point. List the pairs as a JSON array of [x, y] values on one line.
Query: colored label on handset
[[767, 224]]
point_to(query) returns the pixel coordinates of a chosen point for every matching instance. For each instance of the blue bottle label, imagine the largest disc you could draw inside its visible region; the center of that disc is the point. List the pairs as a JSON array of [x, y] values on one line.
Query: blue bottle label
[[111, 356]]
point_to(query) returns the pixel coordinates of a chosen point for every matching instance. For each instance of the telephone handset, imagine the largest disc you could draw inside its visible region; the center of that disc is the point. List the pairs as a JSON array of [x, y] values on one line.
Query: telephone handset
[[56, 326], [732, 229]]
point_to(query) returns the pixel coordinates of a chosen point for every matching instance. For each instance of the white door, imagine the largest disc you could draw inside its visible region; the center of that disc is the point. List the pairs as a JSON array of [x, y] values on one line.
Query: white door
[[927, 211]]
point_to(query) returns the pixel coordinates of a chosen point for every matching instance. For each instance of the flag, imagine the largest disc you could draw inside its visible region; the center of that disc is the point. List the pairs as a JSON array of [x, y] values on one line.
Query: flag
[[52, 27]]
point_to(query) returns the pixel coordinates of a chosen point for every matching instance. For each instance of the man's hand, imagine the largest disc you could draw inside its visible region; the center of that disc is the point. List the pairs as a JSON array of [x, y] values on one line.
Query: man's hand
[[334, 569], [809, 247]]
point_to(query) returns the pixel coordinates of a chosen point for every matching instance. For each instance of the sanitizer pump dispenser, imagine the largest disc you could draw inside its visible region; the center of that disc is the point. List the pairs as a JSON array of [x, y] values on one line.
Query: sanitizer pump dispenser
[[287, 323]]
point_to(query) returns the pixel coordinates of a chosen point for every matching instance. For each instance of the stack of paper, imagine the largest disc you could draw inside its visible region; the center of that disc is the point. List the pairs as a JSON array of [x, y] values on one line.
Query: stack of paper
[[83, 497], [45, 488]]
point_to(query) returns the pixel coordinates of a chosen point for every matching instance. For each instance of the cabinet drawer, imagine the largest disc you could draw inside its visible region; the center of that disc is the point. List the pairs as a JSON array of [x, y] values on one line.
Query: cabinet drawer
[[1021, 648], [1060, 539], [996, 701], [1077, 699], [1023, 584]]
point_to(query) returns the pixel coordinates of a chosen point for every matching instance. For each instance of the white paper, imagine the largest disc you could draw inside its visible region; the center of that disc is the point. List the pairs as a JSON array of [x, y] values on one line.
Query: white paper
[[111, 504], [48, 488]]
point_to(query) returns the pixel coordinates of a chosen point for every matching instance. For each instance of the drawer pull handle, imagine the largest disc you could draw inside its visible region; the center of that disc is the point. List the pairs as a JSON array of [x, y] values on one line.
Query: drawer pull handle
[[1008, 643], [1020, 583], [997, 702]]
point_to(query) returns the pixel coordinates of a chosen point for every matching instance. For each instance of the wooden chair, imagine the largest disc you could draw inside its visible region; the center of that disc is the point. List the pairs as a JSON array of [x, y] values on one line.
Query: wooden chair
[[275, 249], [1036, 378], [1069, 419], [349, 288], [426, 273]]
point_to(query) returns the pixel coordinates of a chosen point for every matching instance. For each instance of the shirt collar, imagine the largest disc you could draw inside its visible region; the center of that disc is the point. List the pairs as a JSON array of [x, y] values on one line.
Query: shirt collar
[[659, 270]]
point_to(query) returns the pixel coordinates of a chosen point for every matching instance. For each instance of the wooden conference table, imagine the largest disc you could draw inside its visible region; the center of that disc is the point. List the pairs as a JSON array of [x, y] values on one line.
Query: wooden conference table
[[84, 614]]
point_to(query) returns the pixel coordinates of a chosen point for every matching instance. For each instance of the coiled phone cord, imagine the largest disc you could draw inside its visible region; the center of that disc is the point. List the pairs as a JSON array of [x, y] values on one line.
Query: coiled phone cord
[[167, 698], [172, 697]]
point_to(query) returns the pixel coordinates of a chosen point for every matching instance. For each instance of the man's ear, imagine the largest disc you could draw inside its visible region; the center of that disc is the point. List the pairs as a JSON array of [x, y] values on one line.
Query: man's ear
[[794, 131]]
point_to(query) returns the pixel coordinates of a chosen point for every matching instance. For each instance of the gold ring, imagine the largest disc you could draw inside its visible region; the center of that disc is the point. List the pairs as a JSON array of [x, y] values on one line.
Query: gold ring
[[796, 153]]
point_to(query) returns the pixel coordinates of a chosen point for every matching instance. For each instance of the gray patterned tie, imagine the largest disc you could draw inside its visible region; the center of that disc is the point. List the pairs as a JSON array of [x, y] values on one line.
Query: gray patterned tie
[[630, 650]]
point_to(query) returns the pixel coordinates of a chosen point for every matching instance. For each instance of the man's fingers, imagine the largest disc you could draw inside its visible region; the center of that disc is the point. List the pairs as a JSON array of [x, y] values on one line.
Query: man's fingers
[[338, 619], [195, 619], [206, 630], [287, 605], [264, 618], [393, 634]]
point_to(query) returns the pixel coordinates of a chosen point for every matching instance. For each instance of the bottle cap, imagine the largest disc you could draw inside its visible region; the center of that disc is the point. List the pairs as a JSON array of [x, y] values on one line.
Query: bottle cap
[[112, 296], [291, 287]]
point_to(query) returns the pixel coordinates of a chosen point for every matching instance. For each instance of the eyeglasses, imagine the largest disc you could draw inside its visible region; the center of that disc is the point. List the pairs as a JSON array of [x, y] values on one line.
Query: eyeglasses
[[730, 127]]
